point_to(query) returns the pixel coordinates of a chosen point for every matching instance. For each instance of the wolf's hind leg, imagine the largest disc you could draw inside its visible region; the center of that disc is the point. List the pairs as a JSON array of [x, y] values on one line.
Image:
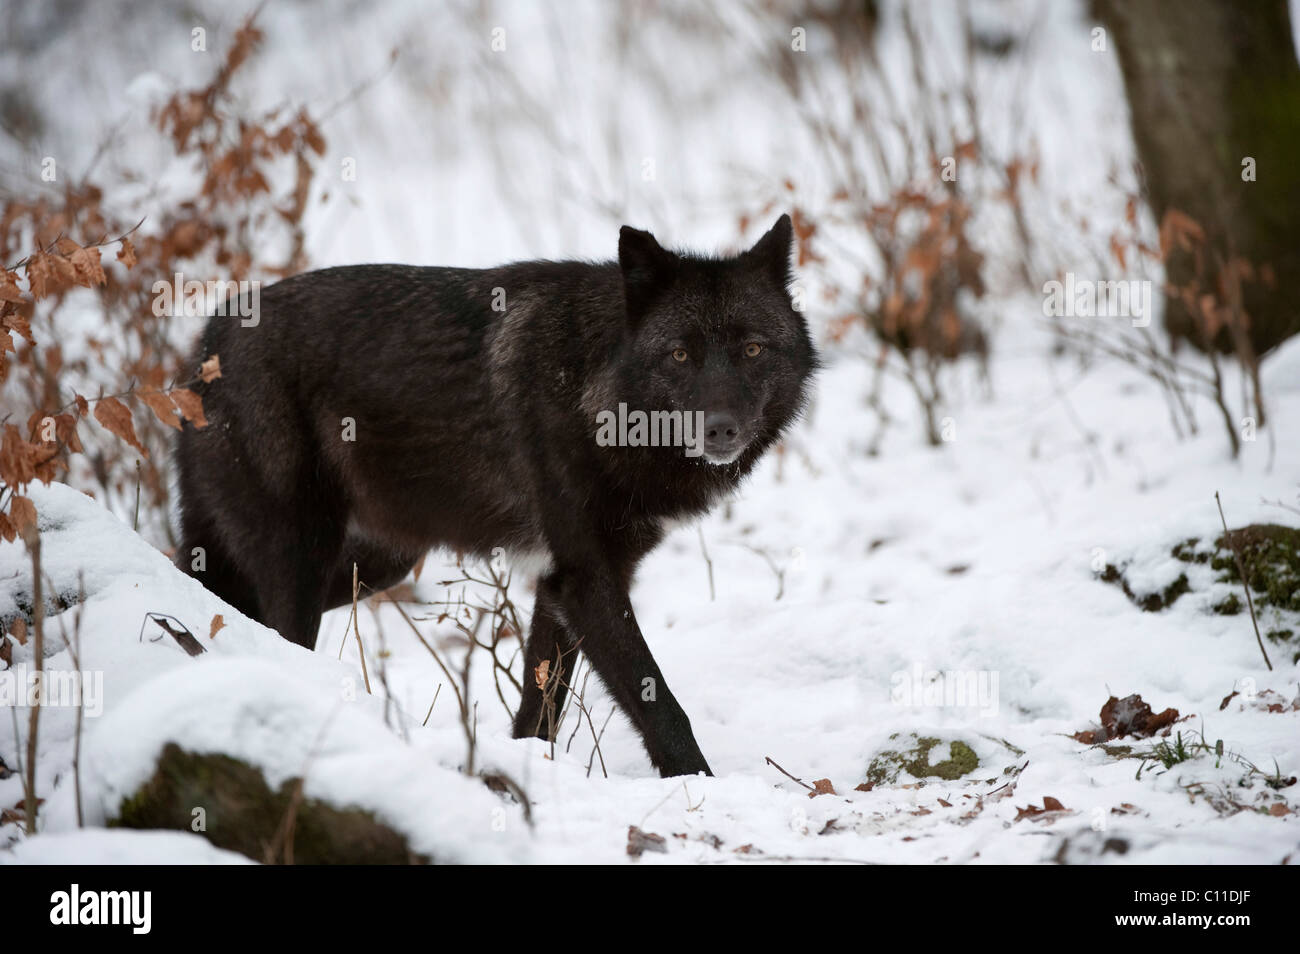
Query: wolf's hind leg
[[540, 708], [378, 568]]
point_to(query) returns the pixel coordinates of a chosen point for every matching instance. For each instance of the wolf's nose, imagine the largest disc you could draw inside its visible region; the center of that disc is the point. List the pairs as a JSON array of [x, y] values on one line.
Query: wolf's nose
[[721, 427]]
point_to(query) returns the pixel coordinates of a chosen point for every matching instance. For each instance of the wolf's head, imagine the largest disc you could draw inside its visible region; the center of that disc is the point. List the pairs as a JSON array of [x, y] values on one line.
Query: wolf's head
[[718, 338]]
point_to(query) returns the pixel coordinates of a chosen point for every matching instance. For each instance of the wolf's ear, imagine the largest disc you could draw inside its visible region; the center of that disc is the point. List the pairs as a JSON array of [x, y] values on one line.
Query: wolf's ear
[[771, 253], [647, 267]]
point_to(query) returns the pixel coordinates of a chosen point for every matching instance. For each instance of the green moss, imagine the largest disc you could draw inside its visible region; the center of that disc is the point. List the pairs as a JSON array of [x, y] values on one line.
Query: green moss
[[1147, 602], [1187, 552], [915, 761], [241, 813], [1228, 606], [1270, 554], [1176, 589]]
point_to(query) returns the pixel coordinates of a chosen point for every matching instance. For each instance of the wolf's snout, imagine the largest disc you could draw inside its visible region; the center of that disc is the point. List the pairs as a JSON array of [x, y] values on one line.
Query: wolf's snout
[[721, 436], [721, 428]]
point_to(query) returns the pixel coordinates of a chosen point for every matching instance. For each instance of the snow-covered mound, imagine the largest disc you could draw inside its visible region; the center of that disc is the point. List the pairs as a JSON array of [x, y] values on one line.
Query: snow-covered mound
[[250, 695]]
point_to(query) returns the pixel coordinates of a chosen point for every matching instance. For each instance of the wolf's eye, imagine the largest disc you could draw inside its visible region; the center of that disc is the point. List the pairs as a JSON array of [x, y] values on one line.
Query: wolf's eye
[[753, 349], [679, 354]]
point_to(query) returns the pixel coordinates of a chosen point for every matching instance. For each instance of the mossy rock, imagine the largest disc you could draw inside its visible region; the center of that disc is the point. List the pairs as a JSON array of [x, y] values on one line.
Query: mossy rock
[[1270, 554], [241, 813], [1148, 602], [915, 761]]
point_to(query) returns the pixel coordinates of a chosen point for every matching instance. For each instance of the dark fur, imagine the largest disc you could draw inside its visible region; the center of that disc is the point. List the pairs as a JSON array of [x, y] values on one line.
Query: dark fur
[[475, 429]]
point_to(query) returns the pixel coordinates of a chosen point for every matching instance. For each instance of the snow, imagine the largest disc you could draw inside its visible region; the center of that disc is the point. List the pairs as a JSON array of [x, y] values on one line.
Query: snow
[[102, 846]]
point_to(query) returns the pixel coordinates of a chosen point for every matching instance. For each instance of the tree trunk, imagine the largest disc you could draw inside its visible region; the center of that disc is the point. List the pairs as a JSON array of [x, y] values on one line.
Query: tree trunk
[[1211, 84]]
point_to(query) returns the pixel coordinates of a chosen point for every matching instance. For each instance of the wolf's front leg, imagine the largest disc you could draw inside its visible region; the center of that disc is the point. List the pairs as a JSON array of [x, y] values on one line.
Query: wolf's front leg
[[599, 619]]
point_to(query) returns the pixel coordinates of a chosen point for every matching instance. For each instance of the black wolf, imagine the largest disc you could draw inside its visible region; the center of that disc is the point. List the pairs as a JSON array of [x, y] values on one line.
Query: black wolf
[[374, 412]]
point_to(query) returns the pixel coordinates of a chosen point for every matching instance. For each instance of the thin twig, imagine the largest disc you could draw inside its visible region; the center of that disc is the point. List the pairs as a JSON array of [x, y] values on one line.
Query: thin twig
[[769, 761], [1241, 570], [356, 628], [38, 650], [707, 561]]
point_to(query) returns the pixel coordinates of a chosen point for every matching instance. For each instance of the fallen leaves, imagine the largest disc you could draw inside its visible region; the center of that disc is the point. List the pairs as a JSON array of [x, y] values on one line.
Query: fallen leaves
[[1050, 810], [1264, 701], [17, 814], [218, 624], [639, 842], [822, 786], [1128, 716], [176, 630]]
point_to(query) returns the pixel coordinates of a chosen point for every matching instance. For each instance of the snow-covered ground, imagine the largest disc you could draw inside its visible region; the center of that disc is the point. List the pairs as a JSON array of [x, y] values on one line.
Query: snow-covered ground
[[976, 558], [837, 575]]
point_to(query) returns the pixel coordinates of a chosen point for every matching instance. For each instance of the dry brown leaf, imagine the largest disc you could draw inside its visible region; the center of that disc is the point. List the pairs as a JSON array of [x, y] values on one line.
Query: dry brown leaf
[[822, 786], [218, 624], [116, 416], [20, 324], [1128, 716], [89, 271], [9, 290], [191, 406], [162, 406], [1033, 811], [126, 254], [22, 513], [210, 370], [48, 274], [639, 841]]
